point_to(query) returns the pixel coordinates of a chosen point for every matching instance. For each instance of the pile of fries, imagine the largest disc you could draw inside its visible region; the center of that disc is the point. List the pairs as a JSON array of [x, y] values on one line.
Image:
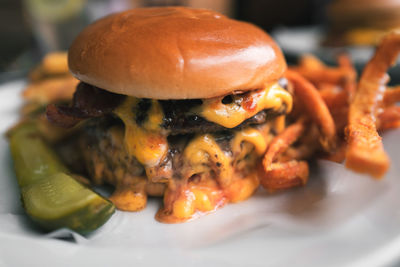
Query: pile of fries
[[341, 111], [336, 115], [50, 81]]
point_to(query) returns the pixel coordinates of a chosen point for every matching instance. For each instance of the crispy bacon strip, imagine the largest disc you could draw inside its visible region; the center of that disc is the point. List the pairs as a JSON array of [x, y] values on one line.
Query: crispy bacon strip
[[365, 151], [316, 108], [88, 102], [62, 116], [281, 175]]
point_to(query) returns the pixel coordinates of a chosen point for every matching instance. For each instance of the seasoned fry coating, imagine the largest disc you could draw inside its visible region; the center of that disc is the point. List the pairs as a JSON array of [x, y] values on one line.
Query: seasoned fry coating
[[392, 95], [315, 107], [282, 175], [349, 79], [365, 151], [389, 118], [317, 72]]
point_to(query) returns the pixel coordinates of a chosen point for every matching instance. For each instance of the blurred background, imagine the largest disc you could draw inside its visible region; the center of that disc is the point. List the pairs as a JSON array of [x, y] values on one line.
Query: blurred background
[[31, 28]]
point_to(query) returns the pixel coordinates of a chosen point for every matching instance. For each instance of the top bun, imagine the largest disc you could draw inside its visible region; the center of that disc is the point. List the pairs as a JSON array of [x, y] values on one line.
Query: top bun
[[174, 53]]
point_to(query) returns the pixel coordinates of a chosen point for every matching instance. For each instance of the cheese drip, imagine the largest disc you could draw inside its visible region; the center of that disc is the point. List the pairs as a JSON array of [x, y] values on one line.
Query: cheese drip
[[203, 150], [252, 136], [149, 145], [244, 106], [202, 155], [145, 143]]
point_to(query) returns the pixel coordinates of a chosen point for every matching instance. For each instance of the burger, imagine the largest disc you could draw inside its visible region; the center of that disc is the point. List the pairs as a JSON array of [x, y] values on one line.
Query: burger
[[173, 102], [361, 22]]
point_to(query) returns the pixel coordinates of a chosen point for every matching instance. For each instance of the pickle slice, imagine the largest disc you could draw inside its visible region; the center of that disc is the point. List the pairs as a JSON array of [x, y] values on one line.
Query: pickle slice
[[50, 196], [33, 158]]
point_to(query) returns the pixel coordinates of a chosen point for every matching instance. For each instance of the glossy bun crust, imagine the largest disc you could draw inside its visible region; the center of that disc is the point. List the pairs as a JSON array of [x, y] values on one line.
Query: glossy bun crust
[[174, 53]]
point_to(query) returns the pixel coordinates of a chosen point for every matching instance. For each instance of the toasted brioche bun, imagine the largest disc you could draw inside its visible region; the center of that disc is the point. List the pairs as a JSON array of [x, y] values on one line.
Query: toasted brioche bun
[[174, 53]]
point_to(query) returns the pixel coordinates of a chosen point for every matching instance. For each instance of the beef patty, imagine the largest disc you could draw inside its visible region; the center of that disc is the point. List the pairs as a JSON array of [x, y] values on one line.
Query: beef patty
[[178, 118]]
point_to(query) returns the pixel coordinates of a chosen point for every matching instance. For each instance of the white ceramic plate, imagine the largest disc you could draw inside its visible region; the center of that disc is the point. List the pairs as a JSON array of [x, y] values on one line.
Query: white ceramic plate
[[338, 219]]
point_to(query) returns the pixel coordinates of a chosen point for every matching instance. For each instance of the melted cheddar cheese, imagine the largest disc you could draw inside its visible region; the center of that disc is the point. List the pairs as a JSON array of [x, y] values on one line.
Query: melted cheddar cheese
[[203, 150], [149, 145], [245, 106], [252, 136], [279, 123], [221, 174], [190, 200], [146, 143], [184, 201]]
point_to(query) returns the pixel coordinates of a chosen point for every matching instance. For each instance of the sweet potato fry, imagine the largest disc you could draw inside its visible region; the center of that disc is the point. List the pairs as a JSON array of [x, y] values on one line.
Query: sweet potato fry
[[349, 74], [317, 72], [339, 155], [334, 97], [316, 108], [392, 95], [51, 90], [389, 118], [390, 125], [282, 175], [281, 142], [304, 151], [305, 146], [365, 151], [321, 75], [337, 101], [340, 116], [53, 64]]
